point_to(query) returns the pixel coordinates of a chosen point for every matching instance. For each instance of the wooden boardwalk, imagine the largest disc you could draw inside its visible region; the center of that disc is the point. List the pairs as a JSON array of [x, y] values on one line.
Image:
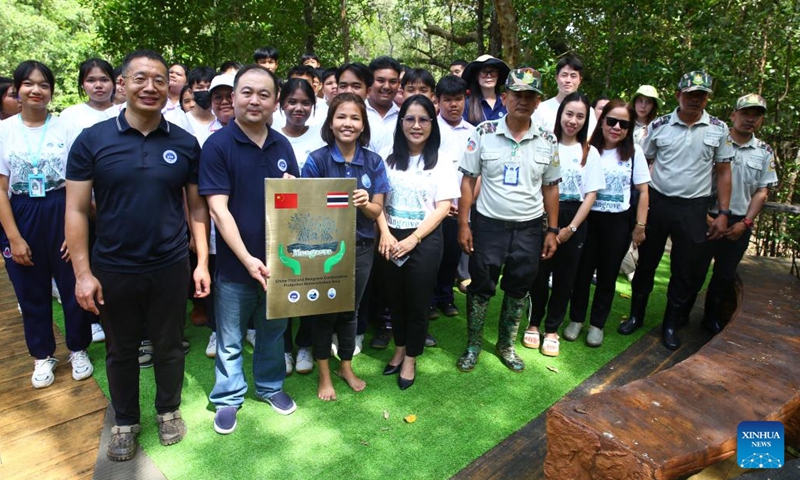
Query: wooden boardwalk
[[49, 433]]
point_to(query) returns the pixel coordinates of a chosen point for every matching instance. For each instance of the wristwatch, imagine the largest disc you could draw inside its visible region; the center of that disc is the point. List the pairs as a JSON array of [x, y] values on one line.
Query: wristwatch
[[572, 228], [727, 213], [552, 230], [747, 223]]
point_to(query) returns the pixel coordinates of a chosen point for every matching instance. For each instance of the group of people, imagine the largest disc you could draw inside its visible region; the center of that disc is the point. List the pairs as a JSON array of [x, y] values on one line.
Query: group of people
[[154, 186]]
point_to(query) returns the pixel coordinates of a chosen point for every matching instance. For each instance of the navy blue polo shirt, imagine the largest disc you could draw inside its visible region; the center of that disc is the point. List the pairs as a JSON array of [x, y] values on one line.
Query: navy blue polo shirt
[[231, 164], [367, 168], [138, 188]]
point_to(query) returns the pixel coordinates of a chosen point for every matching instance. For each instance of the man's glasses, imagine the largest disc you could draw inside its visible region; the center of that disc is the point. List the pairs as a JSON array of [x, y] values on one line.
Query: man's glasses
[[141, 80]]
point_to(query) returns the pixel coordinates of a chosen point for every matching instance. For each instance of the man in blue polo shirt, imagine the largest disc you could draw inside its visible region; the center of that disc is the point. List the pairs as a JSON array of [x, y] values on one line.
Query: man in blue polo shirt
[[138, 166], [234, 163]]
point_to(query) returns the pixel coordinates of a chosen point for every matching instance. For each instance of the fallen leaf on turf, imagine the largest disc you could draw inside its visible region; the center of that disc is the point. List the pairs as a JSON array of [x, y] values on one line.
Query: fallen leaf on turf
[[410, 418], [553, 369], [386, 415], [365, 443], [624, 295], [624, 317], [384, 429]]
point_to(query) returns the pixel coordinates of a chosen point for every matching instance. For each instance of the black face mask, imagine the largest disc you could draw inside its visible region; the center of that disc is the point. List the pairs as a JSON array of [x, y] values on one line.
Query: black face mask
[[202, 98]]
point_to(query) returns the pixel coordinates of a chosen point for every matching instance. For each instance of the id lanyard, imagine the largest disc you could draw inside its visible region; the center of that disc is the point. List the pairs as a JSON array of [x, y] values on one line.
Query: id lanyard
[[35, 157], [511, 169]]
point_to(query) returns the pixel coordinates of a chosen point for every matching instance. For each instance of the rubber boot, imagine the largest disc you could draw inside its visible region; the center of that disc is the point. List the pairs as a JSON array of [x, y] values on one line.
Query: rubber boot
[[685, 312], [510, 315], [712, 320], [669, 327], [636, 318], [476, 317]]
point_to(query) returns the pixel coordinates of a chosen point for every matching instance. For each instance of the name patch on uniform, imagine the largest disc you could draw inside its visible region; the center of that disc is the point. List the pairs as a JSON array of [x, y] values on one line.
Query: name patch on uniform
[[282, 165], [471, 145], [170, 156]]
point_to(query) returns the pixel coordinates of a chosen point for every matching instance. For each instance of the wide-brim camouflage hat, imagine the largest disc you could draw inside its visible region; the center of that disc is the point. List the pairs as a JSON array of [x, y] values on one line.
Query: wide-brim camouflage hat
[[696, 81], [524, 80], [751, 100], [474, 68], [648, 91]]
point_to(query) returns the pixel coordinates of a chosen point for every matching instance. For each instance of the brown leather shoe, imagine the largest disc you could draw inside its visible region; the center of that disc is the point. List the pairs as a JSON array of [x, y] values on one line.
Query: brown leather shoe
[[171, 428], [123, 442]]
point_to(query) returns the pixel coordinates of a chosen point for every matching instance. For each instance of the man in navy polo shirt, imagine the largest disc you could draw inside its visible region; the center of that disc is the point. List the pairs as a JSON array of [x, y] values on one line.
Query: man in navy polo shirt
[[139, 167], [234, 163]]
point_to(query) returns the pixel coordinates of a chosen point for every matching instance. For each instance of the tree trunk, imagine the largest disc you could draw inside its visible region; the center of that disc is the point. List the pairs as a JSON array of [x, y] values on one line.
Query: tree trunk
[[506, 26], [345, 31], [481, 18], [308, 16]]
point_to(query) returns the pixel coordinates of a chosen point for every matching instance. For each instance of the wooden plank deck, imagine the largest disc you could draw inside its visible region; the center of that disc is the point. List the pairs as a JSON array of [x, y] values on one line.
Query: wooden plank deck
[[49, 433]]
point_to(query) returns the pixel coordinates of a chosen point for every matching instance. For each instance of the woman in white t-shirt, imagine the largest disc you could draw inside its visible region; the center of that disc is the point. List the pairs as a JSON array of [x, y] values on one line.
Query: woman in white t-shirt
[[95, 83], [421, 191], [33, 155], [297, 102], [611, 217], [581, 178]]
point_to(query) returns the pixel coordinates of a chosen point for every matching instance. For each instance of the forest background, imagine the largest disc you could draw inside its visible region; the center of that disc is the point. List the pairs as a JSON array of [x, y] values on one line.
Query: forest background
[[746, 45]]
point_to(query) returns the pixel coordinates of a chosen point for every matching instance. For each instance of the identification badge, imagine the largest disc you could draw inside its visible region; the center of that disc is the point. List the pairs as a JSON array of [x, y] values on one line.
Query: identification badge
[[36, 185], [511, 175]]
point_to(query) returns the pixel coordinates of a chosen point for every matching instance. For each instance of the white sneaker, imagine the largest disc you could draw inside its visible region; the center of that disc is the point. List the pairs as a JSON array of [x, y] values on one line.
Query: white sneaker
[[81, 365], [54, 290], [43, 375], [334, 345], [305, 361], [211, 349], [359, 344], [251, 337], [98, 335], [289, 363]]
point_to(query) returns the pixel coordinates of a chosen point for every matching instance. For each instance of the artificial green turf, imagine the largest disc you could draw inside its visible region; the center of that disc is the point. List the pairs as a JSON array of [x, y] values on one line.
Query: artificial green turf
[[460, 416]]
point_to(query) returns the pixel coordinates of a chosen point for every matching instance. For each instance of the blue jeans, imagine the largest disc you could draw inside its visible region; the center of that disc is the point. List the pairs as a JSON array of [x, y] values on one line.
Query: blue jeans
[[235, 305]]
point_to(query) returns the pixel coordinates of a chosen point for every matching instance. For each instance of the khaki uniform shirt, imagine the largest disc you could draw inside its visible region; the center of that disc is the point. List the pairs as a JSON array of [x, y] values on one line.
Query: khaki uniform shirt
[[753, 167], [684, 156], [512, 173]]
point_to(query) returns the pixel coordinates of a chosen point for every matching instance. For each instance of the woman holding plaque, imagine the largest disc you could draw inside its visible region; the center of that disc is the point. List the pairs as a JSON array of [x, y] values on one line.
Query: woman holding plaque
[[421, 191], [346, 132], [33, 153]]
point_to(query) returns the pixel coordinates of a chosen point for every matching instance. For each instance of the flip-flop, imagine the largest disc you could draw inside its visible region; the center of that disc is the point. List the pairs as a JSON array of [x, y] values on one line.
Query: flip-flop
[[532, 340], [550, 347]]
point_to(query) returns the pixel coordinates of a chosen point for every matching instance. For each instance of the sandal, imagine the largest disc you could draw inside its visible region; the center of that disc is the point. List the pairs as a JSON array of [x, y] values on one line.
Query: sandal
[[550, 347], [532, 340]]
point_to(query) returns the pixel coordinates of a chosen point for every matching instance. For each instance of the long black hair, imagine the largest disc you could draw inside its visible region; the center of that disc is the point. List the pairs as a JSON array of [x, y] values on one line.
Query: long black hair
[[583, 133], [430, 152], [86, 68], [294, 84]]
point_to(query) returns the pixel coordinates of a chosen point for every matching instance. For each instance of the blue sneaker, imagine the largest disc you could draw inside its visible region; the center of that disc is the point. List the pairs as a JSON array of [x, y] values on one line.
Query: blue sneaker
[[225, 420], [282, 403]]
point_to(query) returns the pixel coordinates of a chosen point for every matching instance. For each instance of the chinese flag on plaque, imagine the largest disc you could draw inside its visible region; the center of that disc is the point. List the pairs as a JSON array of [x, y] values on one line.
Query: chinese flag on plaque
[[285, 200]]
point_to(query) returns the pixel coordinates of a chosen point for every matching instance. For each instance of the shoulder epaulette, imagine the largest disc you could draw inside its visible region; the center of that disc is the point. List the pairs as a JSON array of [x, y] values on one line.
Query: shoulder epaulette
[[489, 126], [547, 135], [716, 121], [660, 121], [765, 146]]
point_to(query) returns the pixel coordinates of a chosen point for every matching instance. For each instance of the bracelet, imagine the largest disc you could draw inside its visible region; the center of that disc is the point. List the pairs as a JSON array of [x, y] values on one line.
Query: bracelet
[[419, 240], [727, 213], [747, 223], [553, 230], [640, 224]]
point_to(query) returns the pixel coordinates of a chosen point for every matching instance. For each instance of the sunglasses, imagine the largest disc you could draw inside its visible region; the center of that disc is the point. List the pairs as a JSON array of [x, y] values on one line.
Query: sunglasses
[[623, 124]]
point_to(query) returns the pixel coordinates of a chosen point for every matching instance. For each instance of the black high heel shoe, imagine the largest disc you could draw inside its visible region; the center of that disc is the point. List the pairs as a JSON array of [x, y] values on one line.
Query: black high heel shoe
[[392, 369], [404, 383]]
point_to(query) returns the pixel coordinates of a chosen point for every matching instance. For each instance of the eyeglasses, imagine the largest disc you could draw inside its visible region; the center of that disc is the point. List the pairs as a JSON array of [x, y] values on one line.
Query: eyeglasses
[[489, 72], [410, 121], [141, 80], [218, 97], [623, 124]]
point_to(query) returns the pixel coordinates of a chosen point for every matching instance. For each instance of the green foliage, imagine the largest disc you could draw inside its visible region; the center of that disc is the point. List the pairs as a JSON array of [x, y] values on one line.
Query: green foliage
[[58, 33]]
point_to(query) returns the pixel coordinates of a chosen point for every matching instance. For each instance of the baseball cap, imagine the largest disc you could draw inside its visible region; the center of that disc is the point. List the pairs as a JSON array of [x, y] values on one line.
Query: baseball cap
[[222, 80], [694, 81], [524, 80], [751, 100]]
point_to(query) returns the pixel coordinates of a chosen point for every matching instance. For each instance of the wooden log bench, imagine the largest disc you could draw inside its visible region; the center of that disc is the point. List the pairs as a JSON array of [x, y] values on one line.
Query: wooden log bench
[[683, 419]]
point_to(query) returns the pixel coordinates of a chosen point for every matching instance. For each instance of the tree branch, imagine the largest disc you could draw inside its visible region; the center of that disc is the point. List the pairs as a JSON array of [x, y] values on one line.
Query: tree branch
[[470, 37]]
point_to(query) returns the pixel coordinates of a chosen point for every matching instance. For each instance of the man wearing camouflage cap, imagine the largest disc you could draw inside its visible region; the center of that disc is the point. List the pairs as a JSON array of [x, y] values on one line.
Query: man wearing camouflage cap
[[682, 147], [518, 165], [753, 174]]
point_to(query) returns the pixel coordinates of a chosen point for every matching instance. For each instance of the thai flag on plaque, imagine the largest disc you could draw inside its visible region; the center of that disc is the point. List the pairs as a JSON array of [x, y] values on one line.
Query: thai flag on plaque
[[338, 199]]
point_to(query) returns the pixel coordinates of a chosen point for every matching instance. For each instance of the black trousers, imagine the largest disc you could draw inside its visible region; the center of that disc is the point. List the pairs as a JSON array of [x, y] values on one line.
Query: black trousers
[[512, 248], [683, 220], [153, 302], [344, 323], [564, 267], [726, 255], [451, 255], [410, 288], [607, 243]]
